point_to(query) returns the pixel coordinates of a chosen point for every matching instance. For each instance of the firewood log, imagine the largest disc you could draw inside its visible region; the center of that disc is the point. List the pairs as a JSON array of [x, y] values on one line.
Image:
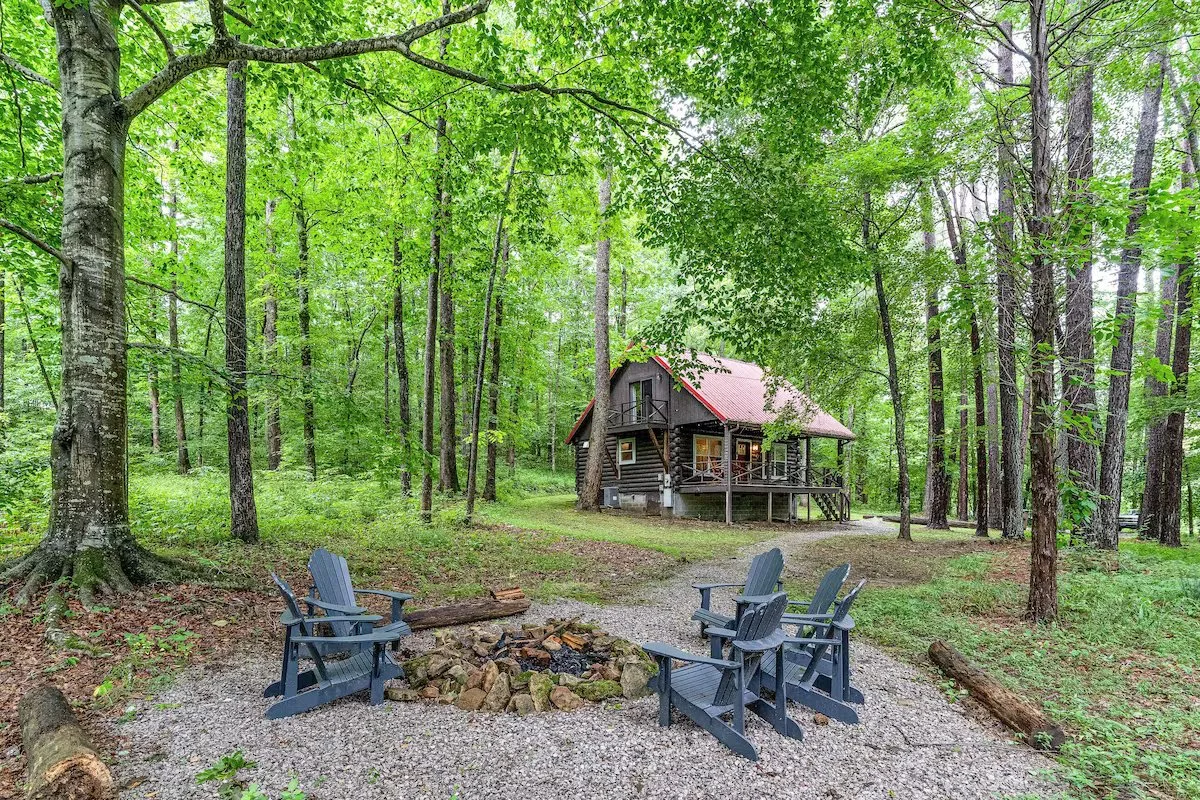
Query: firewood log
[[1031, 722], [476, 610], [62, 765]]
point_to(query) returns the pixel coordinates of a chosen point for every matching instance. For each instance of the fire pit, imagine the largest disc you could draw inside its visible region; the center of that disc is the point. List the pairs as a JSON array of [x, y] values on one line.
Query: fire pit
[[557, 665]]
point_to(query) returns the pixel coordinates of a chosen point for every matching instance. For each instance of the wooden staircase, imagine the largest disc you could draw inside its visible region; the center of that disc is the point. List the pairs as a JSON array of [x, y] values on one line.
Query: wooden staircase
[[832, 507]]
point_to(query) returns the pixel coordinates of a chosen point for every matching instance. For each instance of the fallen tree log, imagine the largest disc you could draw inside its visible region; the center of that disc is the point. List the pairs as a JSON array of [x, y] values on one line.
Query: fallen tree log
[[61, 763], [953, 523], [477, 610], [1038, 730]]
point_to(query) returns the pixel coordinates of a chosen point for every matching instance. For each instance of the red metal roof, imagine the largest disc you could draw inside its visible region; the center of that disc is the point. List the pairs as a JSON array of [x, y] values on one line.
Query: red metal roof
[[740, 392]]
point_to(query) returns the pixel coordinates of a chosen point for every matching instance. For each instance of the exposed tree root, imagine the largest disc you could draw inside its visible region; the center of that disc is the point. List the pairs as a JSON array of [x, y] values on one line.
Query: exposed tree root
[[99, 572], [55, 610]]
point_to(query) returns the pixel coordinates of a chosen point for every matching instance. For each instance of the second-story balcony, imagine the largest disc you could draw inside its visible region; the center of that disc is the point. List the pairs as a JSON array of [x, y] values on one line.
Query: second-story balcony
[[644, 413]]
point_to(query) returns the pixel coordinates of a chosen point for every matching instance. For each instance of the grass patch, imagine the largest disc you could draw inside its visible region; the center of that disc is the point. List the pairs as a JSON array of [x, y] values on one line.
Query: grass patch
[[685, 540], [1121, 668]]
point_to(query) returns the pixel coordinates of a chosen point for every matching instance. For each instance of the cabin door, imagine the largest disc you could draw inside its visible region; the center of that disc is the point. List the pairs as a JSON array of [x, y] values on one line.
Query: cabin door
[[747, 460]]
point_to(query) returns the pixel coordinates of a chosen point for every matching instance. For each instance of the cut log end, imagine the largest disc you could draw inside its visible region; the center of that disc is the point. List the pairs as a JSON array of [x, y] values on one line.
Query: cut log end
[[1035, 728], [62, 765]]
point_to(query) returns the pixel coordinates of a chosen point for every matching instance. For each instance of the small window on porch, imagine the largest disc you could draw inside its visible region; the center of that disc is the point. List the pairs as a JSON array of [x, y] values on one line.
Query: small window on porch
[[627, 451], [779, 454]]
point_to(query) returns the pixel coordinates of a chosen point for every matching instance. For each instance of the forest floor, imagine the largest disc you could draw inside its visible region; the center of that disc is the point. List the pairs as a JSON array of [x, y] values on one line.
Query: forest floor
[[137, 645], [910, 741], [1121, 670]]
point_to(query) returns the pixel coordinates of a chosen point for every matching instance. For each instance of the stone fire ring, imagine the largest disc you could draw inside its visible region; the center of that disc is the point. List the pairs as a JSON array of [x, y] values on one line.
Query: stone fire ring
[[558, 665]]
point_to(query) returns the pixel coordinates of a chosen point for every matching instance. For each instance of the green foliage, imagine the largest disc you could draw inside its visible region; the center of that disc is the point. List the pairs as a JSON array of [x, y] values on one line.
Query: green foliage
[[1118, 669]]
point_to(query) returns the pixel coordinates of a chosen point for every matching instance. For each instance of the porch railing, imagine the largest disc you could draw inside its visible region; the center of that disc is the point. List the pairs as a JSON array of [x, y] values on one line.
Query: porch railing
[[761, 474], [645, 412]]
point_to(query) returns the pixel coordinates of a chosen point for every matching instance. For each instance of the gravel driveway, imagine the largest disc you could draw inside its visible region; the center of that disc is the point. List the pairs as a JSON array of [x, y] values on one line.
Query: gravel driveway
[[910, 744]]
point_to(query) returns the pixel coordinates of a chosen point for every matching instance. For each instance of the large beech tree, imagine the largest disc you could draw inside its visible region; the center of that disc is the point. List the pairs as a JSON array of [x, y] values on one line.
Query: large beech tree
[[88, 539]]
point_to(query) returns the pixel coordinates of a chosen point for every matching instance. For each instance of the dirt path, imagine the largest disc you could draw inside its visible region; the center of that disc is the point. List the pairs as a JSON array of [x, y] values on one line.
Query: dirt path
[[910, 743]]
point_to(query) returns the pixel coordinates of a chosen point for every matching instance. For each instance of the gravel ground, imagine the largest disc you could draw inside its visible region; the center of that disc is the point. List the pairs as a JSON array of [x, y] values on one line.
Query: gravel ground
[[910, 743]]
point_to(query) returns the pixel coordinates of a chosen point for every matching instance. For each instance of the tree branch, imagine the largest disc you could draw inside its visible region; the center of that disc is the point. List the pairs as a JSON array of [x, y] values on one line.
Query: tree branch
[[216, 12], [154, 26], [35, 241], [26, 72], [224, 50], [171, 293], [30, 180]]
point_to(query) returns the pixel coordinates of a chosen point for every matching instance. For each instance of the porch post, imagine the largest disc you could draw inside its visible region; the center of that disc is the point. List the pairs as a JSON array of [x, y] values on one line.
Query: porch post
[[770, 506], [808, 478], [728, 458]]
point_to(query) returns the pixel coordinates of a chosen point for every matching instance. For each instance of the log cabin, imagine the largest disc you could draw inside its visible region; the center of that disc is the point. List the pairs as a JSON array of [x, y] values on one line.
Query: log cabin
[[700, 442]]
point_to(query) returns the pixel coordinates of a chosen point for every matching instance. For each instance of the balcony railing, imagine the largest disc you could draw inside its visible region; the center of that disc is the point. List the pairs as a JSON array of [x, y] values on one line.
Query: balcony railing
[[760, 474], [643, 412]]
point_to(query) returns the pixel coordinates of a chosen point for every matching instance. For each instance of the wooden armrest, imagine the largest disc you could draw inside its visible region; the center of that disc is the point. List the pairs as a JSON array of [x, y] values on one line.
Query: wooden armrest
[[289, 621], [660, 650], [328, 606], [753, 599], [377, 637], [401, 596]]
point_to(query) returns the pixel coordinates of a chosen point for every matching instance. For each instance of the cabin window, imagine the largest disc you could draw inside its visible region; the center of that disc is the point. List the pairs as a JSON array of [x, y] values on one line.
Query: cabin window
[[640, 395], [708, 453], [779, 454], [627, 451]]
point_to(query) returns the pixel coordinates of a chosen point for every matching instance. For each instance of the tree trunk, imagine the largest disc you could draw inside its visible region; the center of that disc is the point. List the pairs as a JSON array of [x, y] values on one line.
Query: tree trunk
[[307, 389], [623, 307], [88, 537], [1173, 458], [431, 326], [489, 480], [448, 460], [270, 344], [994, 515], [152, 381], [1078, 347], [591, 498], [885, 322], [182, 462], [961, 509], [1113, 455], [1013, 444], [1150, 510], [387, 374], [495, 283], [958, 246], [1043, 561], [889, 341], [403, 407], [244, 516], [939, 491]]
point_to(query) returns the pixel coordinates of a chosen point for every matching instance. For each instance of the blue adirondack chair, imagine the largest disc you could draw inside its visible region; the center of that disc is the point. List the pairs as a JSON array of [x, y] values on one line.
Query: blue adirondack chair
[[816, 668], [707, 689], [816, 609], [823, 598], [762, 581], [334, 591], [369, 669]]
